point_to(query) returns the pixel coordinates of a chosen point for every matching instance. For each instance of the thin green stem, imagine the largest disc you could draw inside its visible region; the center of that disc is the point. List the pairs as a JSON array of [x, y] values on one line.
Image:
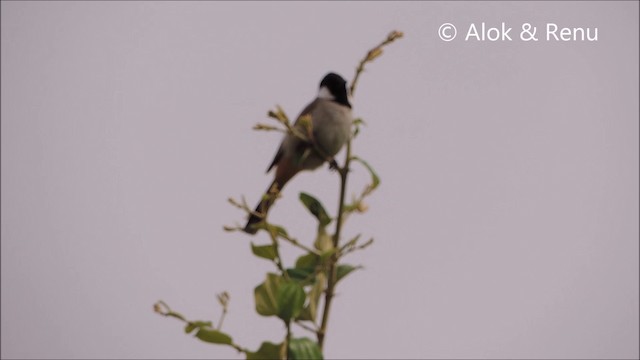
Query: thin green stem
[[224, 313], [168, 312], [278, 259], [296, 243], [306, 327]]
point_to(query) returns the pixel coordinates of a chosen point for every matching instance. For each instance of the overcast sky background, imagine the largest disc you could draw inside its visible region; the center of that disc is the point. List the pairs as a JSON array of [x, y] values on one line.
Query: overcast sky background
[[506, 225]]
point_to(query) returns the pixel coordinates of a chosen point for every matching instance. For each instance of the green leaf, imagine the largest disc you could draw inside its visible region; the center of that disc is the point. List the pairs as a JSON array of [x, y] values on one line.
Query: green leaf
[[176, 315], [349, 208], [316, 208], [311, 310], [324, 241], [304, 271], [375, 180], [278, 230], [304, 348], [213, 336], [344, 270], [314, 295], [290, 300], [356, 124], [196, 324], [327, 254], [266, 295], [303, 276], [264, 251], [267, 350], [189, 328], [307, 262], [305, 314]]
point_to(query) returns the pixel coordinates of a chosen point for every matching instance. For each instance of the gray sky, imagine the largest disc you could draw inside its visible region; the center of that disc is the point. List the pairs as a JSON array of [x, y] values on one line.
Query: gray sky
[[506, 224]]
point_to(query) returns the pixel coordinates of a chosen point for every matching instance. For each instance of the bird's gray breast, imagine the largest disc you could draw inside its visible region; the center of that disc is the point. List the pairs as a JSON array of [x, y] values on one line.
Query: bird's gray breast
[[331, 125]]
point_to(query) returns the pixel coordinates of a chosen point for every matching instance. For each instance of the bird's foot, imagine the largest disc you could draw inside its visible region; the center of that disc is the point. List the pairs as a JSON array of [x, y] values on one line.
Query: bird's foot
[[333, 164]]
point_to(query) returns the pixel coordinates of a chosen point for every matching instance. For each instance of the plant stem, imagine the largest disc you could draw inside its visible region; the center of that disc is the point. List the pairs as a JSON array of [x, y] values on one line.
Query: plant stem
[[332, 276], [288, 323], [278, 259], [224, 313], [306, 327], [296, 243]]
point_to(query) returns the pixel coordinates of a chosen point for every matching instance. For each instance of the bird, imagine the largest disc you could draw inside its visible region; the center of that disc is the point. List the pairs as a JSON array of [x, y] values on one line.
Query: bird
[[331, 121]]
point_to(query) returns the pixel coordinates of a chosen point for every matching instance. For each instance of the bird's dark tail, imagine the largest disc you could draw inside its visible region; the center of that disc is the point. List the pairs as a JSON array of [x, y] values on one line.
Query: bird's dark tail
[[263, 207]]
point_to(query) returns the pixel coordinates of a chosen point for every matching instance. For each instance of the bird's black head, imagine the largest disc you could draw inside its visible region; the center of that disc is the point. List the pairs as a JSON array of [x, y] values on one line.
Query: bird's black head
[[334, 87]]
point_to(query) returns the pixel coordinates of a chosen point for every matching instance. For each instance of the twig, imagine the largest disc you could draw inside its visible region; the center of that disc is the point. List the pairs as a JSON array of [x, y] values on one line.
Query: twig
[[278, 259], [371, 55], [163, 309], [306, 327], [223, 299], [288, 323], [296, 243], [332, 276], [343, 171]]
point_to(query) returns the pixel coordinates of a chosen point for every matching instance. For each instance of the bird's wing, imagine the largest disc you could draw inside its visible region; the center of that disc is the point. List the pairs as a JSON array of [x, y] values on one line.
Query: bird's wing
[[276, 159], [307, 110], [298, 144]]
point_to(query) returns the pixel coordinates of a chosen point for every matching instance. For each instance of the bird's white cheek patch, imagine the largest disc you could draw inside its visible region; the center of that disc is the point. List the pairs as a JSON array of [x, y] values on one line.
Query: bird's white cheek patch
[[324, 93]]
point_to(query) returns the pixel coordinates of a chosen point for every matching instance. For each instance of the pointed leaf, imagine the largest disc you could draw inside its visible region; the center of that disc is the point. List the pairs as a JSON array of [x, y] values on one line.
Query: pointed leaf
[[196, 324], [266, 295], [264, 251], [267, 350], [189, 328], [279, 230], [304, 271], [314, 295], [290, 300], [213, 336], [304, 348], [303, 276], [344, 270], [176, 315], [307, 262], [324, 241], [375, 180], [327, 254], [305, 314], [316, 208], [356, 125], [311, 310]]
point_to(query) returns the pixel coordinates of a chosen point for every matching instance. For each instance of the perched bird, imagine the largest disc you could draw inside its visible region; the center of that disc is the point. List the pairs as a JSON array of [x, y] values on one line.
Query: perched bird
[[331, 121]]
